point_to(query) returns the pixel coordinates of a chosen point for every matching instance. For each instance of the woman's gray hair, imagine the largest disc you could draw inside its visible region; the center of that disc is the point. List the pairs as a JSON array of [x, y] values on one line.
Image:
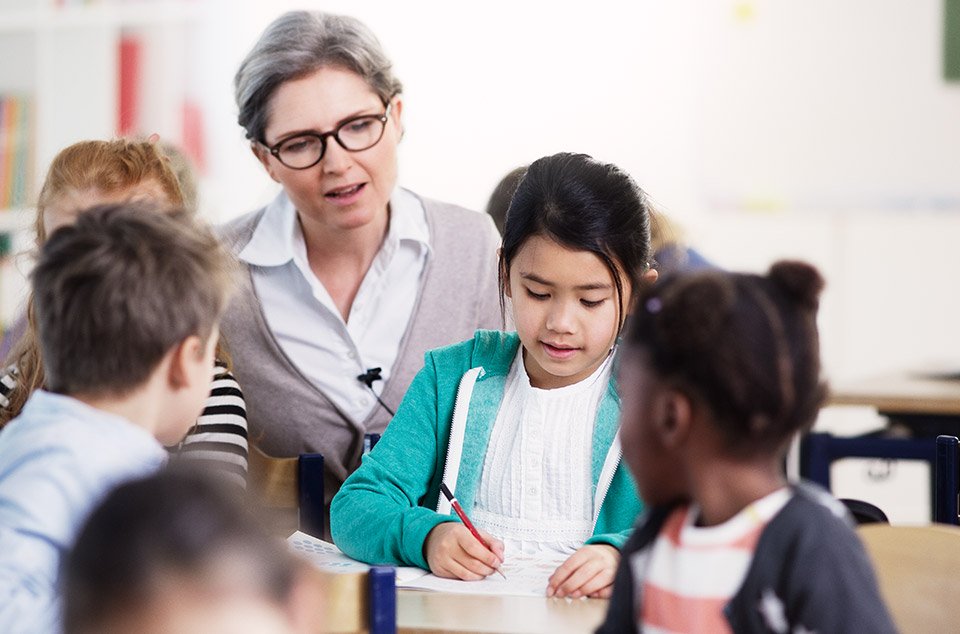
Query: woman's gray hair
[[299, 43]]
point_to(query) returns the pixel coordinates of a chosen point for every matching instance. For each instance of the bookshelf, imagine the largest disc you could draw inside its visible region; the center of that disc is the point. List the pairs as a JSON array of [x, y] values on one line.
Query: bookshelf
[[67, 70]]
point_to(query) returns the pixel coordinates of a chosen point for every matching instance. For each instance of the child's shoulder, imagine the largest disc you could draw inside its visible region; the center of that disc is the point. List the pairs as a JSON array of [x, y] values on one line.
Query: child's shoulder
[[813, 528], [494, 350], [814, 505]]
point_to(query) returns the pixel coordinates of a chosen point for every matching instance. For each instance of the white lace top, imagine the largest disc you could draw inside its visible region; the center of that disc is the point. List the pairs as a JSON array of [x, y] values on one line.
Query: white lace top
[[536, 489]]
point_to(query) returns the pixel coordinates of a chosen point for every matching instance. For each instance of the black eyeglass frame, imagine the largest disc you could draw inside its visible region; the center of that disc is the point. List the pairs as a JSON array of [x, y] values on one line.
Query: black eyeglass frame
[[335, 133]]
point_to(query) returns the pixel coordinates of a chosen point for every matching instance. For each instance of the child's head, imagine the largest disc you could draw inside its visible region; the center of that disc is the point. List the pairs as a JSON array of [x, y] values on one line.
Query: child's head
[[576, 246], [123, 289], [176, 553], [92, 173], [499, 201], [721, 355], [81, 176]]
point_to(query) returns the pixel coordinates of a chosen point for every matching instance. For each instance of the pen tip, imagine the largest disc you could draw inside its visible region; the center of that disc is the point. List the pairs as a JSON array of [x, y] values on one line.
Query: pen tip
[[446, 491]]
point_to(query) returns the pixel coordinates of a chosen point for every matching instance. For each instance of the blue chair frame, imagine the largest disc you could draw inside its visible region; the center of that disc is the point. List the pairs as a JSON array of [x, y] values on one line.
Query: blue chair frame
[[310, 489], [819, 450], [310, 501], [947, 484]]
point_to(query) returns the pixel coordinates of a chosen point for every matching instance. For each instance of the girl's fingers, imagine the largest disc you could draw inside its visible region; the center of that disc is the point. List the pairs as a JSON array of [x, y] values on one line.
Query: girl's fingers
[[603, 593], [563, 572], [602, 579], [495, 544], [572, 585], [473, 549], [459, 571]]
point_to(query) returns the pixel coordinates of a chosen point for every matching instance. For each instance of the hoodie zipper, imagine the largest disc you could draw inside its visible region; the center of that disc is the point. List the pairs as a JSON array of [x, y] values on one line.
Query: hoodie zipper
[[606, 479]]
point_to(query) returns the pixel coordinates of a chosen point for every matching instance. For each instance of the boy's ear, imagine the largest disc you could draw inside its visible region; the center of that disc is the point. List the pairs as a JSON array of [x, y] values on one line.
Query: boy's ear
[[263, 155], [183, 356]]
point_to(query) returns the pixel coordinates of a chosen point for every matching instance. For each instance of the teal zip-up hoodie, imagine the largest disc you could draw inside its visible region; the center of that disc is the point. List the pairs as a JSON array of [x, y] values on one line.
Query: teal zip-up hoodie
[[384, 511]]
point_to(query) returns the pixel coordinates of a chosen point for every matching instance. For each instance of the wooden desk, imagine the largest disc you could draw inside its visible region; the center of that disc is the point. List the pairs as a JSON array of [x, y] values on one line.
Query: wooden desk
[[422, 612], [901, 393]]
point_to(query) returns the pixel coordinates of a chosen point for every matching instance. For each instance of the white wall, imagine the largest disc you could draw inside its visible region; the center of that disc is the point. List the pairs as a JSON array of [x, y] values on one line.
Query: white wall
[[812, 129]]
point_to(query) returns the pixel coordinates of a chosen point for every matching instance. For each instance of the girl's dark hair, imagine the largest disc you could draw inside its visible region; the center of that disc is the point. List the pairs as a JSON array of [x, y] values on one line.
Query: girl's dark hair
[[745, 347], [178, 522], [582, 204]]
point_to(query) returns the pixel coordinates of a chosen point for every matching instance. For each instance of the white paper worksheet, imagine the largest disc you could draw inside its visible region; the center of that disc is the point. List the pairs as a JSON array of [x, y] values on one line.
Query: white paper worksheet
[[526, 576], [329, 558]]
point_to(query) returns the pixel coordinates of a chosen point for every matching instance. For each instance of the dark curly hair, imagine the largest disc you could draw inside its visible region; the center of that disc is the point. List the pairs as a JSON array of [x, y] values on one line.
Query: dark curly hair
[[743, 346]]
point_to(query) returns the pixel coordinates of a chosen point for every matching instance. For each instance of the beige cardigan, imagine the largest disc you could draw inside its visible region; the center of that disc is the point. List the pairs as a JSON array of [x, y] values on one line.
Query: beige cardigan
[[288, 414]]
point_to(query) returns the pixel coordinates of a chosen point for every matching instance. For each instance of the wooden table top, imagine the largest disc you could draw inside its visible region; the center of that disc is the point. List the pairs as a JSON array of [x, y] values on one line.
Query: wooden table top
[[901, 393], [422, 612]]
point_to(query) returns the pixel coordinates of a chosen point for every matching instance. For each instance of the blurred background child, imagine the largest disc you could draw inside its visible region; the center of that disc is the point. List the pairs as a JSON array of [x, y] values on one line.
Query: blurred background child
[[671, 252], [719, 371], [178, 553], [90, 173], [127, 303]]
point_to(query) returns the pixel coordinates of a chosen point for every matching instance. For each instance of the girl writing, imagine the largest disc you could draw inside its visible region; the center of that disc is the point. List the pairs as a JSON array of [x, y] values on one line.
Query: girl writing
[[521, 426]]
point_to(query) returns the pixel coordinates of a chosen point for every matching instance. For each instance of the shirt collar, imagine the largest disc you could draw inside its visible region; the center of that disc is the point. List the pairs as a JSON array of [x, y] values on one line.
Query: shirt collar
[[277, 235], [273, 239], [408, 219]]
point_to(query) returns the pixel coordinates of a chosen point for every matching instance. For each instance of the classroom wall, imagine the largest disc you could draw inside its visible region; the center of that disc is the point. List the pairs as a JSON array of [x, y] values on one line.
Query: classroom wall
[[769, 129]]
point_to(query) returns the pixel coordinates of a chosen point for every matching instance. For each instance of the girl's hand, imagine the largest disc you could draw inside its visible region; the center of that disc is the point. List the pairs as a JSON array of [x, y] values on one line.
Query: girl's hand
[[589, 572], [453, 552]]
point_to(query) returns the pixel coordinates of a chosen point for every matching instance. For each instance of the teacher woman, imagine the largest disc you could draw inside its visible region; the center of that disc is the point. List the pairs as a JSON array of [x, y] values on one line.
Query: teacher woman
[[346, 271]]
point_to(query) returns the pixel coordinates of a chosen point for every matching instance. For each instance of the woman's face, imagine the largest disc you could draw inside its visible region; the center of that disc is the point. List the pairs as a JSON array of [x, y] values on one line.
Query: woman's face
[[345, 190]]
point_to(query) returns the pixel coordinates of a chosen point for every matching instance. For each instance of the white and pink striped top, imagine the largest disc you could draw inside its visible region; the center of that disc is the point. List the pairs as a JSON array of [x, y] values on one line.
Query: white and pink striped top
[[693, 572]]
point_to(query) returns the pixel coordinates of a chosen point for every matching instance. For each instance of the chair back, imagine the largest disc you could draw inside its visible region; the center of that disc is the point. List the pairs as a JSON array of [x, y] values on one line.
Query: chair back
[[291, 488], [917, 569], [947, 481]]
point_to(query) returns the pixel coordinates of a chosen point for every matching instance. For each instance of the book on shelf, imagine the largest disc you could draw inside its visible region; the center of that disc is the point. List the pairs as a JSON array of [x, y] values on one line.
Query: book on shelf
[[128, 104], [16, 150]]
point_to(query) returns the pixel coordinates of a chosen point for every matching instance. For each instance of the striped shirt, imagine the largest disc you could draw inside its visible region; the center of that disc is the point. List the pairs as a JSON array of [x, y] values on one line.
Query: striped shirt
[[219, 439], [693, 572]]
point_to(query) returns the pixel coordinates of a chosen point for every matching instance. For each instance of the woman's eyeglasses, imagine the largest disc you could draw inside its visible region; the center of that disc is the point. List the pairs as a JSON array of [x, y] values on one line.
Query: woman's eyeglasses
[[354, 135]]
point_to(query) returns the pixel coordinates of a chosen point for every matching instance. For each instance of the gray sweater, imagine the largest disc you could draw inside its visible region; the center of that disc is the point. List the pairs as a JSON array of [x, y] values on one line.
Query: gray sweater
[[288, 414]]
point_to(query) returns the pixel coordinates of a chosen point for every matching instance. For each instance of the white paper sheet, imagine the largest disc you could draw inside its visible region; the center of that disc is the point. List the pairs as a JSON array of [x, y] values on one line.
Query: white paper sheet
[[329, 558], [526, 576]]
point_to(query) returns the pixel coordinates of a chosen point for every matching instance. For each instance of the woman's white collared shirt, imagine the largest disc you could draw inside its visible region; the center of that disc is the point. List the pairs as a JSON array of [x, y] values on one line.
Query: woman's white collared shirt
[[305, 321]]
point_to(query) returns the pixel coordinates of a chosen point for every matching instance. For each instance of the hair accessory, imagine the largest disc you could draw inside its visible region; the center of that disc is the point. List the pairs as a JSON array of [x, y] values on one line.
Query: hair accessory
[[654, 305]]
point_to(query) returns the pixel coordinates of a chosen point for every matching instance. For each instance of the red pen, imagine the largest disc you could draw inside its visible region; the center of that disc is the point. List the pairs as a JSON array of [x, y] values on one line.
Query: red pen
[[466, 521]]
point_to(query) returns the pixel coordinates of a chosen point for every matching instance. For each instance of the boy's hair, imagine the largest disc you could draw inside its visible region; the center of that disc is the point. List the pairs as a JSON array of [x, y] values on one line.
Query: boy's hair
[[745, 347], [173, 527], [106, 166], [582, 204], [115, 291]]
